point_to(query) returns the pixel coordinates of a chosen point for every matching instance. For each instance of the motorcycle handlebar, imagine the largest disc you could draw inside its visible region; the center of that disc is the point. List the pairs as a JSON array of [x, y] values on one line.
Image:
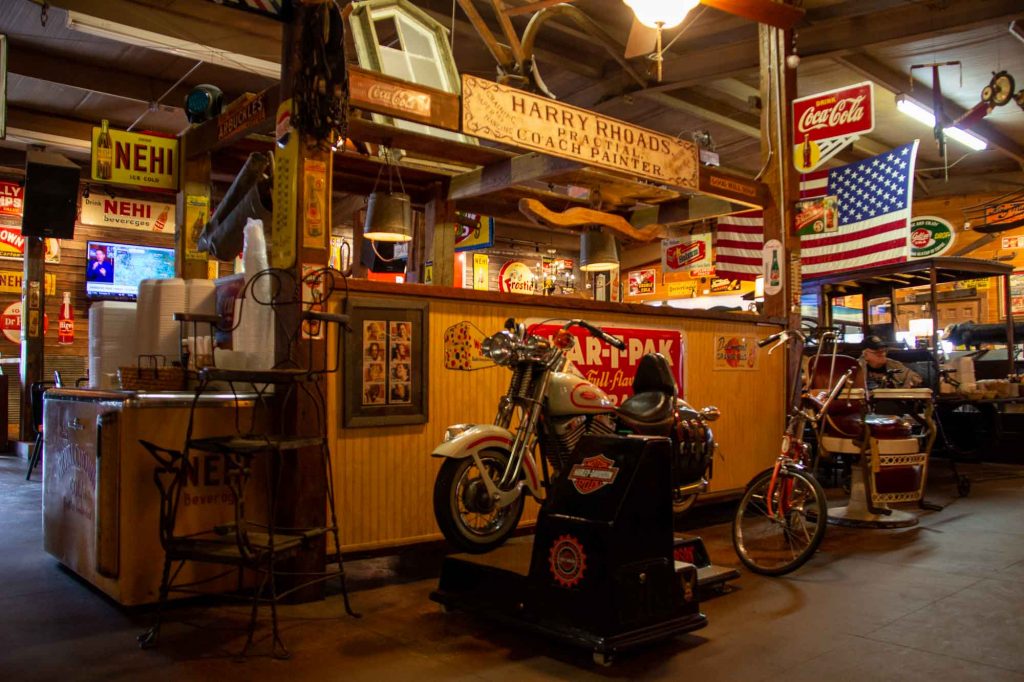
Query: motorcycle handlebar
[[596, 331], [769, 339]]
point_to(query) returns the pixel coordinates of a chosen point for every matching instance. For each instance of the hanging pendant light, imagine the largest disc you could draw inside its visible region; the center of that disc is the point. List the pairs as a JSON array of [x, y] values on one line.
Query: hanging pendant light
[[598, 251], [388, 214], [660, 15]]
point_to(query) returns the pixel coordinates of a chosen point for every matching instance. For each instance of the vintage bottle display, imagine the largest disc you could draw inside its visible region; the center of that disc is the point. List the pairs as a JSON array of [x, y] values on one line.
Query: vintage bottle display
[[66, 322], [314, 207], [104, 153], [807, 151]]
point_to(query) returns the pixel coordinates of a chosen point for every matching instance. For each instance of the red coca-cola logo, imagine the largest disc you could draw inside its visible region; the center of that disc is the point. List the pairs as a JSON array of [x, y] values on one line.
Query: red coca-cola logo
[[406, 100], [920, 238], [837, 113]]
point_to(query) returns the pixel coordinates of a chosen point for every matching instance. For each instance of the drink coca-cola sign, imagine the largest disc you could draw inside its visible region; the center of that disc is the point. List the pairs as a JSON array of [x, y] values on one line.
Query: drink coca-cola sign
[[824, 123]]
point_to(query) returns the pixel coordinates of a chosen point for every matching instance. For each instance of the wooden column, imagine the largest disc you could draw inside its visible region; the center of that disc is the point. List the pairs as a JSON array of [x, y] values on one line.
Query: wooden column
[[302, 493], [439, 236], [778, 89], [33, 305]]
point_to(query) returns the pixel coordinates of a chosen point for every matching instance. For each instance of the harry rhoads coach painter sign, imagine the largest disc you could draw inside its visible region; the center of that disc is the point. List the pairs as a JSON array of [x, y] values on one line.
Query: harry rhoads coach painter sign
[[519, 119]]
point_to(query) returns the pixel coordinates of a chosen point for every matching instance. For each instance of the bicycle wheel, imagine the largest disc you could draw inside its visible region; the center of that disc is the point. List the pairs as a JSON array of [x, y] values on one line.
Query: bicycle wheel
[[780, 542]]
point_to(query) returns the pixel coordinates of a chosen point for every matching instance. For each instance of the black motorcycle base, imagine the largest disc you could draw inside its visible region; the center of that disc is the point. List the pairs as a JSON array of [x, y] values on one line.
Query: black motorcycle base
[[690, 549], [600, 571]]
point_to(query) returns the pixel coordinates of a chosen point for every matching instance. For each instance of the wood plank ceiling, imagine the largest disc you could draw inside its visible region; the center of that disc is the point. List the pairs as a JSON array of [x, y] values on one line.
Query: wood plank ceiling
[[63, 80]]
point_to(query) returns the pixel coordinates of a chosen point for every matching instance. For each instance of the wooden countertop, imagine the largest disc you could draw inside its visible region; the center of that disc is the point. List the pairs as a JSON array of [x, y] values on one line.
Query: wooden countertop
[[362, 286]]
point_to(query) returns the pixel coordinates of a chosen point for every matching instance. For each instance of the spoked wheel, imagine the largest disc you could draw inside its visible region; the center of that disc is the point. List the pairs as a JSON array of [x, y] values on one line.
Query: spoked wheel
[[465, 512], [781, 541]]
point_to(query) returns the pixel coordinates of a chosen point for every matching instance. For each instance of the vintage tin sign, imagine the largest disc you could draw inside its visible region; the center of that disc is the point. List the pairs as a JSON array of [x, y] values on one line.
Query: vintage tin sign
[[930, 236], [826, 122]]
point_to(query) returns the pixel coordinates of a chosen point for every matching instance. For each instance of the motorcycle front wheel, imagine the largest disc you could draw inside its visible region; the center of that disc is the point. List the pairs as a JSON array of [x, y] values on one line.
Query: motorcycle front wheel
[[467, 516]]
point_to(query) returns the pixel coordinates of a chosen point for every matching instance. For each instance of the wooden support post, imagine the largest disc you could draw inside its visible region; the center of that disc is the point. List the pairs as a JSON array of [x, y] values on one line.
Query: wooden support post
[[439, 237], [33, 304], [778, 88], [302, 492]]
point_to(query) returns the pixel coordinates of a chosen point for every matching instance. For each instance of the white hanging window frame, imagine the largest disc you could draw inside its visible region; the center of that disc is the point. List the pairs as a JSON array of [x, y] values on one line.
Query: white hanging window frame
[[430, 54]]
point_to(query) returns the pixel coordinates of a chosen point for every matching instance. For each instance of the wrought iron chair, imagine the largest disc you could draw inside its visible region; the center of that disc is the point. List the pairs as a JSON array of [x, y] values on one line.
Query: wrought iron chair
[[260, 544]]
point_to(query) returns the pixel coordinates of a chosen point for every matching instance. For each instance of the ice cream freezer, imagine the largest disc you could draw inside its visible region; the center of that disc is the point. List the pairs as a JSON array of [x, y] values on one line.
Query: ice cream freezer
[[101, 503]]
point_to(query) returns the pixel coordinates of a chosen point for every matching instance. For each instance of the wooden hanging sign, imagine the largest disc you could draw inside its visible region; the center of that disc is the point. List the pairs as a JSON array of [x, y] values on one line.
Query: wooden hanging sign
[[520, 119]]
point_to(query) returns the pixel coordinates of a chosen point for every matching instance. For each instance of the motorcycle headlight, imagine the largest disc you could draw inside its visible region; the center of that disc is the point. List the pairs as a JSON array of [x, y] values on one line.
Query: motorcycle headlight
[[456, 430], [498, 347], [537, 347]]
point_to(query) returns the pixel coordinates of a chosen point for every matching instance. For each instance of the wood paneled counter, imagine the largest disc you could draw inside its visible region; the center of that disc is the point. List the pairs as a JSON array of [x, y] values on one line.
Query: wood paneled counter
[[385, 475]]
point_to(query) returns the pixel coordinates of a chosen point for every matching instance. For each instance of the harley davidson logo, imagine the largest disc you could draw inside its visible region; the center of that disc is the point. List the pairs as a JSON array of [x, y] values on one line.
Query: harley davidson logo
[[567, 561], [593, 473]]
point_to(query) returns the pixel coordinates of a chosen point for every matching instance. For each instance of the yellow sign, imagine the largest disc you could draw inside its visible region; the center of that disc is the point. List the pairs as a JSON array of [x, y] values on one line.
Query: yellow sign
[[481, 270], [10, 282], [12, 245], [681, 289], [314, 220], [517, 118], [197, 210], [125, 158], [981, 283], [286, 161]]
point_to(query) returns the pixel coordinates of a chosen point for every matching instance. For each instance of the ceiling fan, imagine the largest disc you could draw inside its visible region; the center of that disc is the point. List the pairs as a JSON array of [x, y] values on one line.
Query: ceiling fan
[[651, 17]]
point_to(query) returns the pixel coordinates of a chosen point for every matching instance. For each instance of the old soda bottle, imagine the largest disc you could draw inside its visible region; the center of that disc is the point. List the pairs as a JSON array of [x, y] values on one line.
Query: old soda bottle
[[161, 220], [774, 276], [66, 322], [807, 152], [104, 153]]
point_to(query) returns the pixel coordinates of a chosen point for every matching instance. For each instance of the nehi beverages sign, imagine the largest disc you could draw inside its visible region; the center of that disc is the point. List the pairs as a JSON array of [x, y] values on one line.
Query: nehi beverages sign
[[135, 214], [140, 160]]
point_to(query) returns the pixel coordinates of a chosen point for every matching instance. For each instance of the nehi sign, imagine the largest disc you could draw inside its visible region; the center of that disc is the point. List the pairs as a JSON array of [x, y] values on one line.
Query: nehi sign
[[135, 214], [134, 159]]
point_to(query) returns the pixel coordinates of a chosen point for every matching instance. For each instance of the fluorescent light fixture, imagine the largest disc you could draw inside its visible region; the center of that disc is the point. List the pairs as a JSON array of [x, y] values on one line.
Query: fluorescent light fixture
[[922, 115], [111, 30]]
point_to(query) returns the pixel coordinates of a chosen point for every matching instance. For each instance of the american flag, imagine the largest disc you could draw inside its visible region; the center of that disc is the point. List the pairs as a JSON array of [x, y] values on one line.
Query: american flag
[[738, 246], [875, 197]]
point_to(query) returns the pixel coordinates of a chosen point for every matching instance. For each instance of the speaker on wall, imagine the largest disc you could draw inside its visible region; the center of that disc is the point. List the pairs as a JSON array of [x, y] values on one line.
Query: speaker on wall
[[51, 196]]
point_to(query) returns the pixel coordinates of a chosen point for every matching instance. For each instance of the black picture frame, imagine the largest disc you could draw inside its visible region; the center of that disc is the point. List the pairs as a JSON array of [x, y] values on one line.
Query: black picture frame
[[385, 362]]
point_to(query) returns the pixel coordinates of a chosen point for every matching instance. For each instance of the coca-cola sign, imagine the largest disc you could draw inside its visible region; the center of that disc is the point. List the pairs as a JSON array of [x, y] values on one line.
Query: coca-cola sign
[[834, 114], [826, 122]]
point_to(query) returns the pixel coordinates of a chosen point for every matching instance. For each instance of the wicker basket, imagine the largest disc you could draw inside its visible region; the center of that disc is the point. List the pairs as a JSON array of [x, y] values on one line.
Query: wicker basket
[[151, 374]]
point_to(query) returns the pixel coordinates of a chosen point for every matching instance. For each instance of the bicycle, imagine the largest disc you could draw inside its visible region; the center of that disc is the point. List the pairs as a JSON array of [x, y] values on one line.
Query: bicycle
[[782, 516]]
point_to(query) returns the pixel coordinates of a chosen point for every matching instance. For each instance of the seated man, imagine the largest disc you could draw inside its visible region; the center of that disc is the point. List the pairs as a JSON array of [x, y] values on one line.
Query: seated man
[[881, 372]]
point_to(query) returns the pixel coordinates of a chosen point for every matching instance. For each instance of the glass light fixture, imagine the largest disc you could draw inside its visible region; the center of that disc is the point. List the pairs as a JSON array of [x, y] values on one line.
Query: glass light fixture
[[598, 251], [659, 15], [922, 115]]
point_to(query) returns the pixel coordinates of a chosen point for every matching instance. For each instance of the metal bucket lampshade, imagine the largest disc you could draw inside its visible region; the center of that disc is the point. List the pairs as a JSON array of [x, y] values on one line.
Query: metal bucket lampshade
[[388, 217], [388, 214], [598, 251]]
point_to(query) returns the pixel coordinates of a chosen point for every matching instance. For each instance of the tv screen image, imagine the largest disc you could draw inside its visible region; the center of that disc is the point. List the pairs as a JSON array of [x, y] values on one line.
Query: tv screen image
[[114, 270]]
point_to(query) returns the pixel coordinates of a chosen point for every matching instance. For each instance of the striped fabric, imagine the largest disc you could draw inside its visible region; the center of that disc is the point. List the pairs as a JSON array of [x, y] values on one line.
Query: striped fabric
[[738, 246], [874, 199]]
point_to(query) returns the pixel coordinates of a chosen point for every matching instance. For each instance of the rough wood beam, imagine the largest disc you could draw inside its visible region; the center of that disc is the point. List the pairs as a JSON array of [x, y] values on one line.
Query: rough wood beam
[[896, 82], [532, 7], [27, 119], [903, 23], [506, 173], [709, 109]]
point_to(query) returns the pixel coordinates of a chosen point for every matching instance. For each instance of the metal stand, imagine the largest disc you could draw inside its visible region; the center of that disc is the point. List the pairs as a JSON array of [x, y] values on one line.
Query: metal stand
[[857, 515]]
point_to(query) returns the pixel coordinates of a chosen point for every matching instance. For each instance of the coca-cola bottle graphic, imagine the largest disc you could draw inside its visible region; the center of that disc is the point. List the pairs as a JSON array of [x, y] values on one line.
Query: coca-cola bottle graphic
[[66, 322], [104, 153], [314, 207], [774, 274], [806, 148]]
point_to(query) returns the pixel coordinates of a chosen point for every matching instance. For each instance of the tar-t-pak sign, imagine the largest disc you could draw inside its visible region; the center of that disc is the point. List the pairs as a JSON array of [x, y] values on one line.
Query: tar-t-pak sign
[[823, 124], [610, 369]]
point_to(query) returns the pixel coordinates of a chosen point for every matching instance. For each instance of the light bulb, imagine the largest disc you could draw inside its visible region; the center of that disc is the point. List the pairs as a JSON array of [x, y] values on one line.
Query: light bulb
[[661, 13]]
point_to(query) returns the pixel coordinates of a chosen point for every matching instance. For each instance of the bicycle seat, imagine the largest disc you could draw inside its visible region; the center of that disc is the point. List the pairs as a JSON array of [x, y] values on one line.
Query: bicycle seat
[[654, 391], [880, 426]]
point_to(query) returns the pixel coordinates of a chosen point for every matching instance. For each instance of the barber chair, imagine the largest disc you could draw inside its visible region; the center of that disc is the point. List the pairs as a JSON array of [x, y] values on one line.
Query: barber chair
[[889, 452]]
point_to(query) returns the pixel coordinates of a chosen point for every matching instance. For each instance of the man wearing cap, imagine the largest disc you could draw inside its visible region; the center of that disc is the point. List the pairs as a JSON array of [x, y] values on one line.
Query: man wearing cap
[[881, 372]]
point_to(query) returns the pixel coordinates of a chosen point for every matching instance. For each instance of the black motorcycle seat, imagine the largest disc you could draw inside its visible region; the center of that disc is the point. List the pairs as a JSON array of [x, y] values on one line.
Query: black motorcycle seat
[[654, 375], [648, 407]]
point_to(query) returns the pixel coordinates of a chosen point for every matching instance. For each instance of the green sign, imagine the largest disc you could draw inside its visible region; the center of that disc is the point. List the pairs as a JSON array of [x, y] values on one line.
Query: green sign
[[930, 236]]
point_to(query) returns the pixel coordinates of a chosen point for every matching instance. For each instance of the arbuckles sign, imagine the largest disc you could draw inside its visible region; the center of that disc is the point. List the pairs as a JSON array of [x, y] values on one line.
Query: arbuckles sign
[[824, 123]]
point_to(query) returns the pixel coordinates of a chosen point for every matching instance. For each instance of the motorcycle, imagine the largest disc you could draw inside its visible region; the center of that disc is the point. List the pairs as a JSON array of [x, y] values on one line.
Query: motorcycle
[[489, 468]]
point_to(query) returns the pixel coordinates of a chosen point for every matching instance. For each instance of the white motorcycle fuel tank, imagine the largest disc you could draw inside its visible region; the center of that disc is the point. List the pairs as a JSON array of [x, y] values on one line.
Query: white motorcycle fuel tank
[[570, 394]]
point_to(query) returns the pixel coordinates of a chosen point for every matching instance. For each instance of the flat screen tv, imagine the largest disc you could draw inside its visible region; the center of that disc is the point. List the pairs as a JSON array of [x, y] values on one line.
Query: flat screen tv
[[113, 271]]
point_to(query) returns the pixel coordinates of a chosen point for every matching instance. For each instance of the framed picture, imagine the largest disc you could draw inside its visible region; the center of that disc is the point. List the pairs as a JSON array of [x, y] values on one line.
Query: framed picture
[[1016, 295], [385, 371]]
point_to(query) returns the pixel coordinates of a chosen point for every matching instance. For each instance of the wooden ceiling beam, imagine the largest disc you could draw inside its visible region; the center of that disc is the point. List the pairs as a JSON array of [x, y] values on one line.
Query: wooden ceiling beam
[[896, 82]]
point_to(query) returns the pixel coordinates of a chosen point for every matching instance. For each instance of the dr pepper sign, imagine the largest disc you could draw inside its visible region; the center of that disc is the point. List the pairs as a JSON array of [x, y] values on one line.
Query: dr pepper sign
[[610, 369]]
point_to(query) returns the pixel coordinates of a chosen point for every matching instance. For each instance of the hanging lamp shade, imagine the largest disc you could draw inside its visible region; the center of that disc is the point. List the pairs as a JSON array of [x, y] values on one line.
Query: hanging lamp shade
[[388, 217], [598, 251]]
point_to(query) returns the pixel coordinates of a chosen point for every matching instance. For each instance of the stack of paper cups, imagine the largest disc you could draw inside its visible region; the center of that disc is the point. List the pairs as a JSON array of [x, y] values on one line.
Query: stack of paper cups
[[111, 341], [159, 333]]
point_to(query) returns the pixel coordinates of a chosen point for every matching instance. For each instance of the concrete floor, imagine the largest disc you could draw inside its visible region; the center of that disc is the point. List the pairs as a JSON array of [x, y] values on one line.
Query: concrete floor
[[943, 601]]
